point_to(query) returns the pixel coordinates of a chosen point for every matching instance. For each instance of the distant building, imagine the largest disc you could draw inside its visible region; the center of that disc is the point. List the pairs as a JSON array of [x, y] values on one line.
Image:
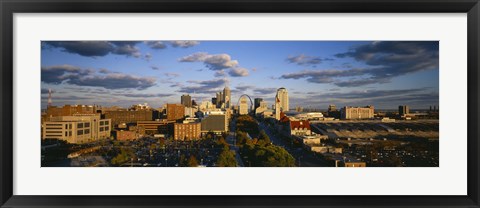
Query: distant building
[[219, 100], [282, 95], [243, 107], [216, 123], [299, 109], [175, 112], [309, 116], [69, 110], [403, 110], [190, 112], [256, 102], [357, 112], [77, 129], [186, 131], [261, 108], [227, 99], [332, 108], [333, 112], [154, 127], [130, 116], [186, 100]]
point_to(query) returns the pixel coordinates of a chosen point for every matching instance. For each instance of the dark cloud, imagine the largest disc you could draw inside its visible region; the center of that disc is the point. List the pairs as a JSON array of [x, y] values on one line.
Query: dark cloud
[[156, 44], [220, 73], [238, 72], [304, 60], [148, 56], [184, 43], [213, 62], [264, 91], [384, 60], [155, 67], [97, 48], [142, 95], [45, 91], [86, 77], [171, 74], [206, 86]]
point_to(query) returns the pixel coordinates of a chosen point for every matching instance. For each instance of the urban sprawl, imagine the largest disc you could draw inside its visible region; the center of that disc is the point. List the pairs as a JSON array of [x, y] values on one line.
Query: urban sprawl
[[246, 133]]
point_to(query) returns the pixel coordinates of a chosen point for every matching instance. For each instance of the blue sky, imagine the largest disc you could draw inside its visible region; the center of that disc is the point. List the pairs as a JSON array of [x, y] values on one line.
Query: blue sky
[[315, 73]]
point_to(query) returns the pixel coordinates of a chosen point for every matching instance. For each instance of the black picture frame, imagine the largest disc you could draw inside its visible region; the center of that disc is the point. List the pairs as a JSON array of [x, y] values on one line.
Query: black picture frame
[[10, 7]]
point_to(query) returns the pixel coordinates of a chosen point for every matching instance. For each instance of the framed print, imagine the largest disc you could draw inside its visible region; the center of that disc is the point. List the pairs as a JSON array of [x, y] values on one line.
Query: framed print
[[245, 104]]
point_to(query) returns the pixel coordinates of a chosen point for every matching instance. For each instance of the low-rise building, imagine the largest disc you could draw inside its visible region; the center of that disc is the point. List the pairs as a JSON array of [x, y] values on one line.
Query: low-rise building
[[366, 112], [216, 123], [299, 128], [77, 129], [186, 131]]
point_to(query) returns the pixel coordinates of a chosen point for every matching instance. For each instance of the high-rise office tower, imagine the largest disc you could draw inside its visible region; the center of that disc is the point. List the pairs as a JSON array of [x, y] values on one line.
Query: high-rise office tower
[[186, 100], [227, 97], [403, 110], [282, 95], [243, 108]]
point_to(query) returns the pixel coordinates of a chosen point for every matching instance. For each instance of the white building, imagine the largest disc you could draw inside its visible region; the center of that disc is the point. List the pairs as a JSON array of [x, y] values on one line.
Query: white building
[[282, 95]]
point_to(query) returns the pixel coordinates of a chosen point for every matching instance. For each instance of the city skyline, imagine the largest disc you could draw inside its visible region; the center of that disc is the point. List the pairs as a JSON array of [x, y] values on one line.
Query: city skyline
[[315, 73]]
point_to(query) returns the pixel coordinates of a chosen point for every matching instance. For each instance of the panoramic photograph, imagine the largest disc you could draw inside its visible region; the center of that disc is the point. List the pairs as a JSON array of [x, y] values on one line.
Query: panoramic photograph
[[194, 103]]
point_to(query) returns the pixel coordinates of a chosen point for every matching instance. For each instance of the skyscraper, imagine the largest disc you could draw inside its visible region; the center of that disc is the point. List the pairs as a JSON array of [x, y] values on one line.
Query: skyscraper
[[282, 95], [243, 108], [186, 100], [227, 97], [403, 110], [219, 96], [257, 102]]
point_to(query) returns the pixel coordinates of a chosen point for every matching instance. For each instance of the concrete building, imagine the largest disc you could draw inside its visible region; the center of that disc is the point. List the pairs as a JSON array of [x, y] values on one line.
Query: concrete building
[[190, 112], [243, 107], [175, 112], [227, 97], [77, 129], [186, 100], [131, 116], [366, 112], [219, 99], [282, 95], [403, 110], [187, 131], [216, 123], [262, 106]]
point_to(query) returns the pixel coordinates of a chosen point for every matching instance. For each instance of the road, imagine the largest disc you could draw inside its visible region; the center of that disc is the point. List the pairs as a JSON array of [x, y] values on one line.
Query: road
[[231, 143], [303, 157]]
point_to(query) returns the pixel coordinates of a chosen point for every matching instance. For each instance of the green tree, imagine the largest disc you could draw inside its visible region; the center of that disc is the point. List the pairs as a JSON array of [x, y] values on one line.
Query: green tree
[[226, 159]]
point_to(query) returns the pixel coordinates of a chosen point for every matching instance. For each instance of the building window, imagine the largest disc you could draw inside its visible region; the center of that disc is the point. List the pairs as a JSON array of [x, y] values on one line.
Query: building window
[[87, 131], [101, 128], [106, 122], [106, 128], [80, 125], [66, 133], [69, 126], [54, 132], [79, 132], [70, 133], [87, 124], [102, 123]]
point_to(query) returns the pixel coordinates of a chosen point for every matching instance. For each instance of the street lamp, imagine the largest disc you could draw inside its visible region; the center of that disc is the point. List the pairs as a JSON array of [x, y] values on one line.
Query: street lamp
[[166, 162]]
